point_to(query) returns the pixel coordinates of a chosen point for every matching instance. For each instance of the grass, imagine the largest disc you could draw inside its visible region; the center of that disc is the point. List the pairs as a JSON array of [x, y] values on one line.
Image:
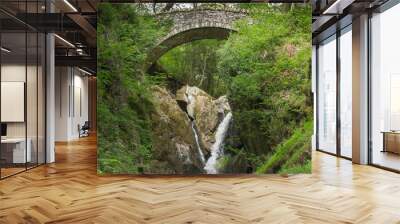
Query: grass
[[303, 168], [289, 153]]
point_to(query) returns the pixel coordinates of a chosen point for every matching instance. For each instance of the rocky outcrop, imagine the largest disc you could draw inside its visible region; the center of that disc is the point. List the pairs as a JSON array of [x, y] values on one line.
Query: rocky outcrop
[[173, 139], [205, 111]]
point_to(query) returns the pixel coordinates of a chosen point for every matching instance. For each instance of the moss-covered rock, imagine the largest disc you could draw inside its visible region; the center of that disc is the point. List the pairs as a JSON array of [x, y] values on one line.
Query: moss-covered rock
[[173, 139], [205, 111]]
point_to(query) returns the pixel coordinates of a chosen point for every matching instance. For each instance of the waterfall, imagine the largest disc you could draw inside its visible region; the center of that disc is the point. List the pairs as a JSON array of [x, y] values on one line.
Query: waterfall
[[190, 114], [217, 147], [196, 136]]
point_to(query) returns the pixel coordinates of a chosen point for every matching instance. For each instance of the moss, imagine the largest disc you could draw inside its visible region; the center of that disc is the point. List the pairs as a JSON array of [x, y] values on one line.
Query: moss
[[301, 168], [287, 154]]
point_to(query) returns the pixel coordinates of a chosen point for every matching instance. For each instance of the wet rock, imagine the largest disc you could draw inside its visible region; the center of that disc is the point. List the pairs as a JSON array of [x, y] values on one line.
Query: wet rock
[[173, 139], [205, 111]]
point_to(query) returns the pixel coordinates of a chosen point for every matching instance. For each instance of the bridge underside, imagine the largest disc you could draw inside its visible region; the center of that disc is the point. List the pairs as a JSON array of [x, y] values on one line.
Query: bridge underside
[[186, 36]]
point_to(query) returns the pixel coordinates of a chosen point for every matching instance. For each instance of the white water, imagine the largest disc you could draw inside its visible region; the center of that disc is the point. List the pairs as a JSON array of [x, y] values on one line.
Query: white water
[[196, 136], [190, 111], [217, 147]]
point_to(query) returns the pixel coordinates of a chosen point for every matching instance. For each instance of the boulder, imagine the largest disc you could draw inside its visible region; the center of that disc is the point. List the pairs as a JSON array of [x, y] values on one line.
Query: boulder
[[205, 111], [173, 139]]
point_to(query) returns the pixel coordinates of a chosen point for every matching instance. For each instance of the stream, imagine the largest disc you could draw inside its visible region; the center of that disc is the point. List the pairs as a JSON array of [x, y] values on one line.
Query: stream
[[217, 148], [210, 166], [196, 136]]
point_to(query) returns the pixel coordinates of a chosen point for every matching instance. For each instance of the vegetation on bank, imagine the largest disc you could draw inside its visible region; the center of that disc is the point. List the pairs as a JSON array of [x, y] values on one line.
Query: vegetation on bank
[[292, 155], [125, 35], [268, 61], [264, 69]]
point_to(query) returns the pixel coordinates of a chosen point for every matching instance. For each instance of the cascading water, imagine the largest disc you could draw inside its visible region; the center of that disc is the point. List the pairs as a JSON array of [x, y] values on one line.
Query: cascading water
[[189, 108], [196, 136], [217, 147]]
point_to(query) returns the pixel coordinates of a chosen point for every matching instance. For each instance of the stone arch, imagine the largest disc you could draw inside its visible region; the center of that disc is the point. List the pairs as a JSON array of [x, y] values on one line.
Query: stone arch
[[192, 25]]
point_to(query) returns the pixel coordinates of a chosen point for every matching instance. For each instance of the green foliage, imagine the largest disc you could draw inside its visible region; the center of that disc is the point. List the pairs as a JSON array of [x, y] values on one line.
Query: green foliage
[[237, 160], [125, 35], [195, 64], [306, 168], [269, 60], [291, 154]]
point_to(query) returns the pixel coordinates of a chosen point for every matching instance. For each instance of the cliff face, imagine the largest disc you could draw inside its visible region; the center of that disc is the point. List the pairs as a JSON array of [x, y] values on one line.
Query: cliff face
[[185, 146], [173, 139], [206, 112]]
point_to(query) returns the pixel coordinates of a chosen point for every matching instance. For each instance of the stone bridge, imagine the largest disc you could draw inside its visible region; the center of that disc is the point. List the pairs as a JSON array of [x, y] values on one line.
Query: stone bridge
[[192, 25]]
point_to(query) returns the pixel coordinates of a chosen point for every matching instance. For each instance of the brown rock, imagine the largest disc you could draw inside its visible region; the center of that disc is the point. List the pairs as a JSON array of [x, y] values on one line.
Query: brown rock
[[206, 112], [173, 139]]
